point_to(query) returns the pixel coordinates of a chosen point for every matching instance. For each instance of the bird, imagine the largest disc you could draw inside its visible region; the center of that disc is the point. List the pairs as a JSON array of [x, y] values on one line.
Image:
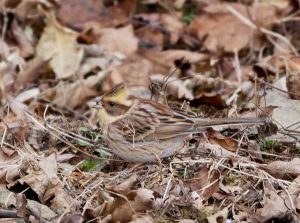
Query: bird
[[140, 130]]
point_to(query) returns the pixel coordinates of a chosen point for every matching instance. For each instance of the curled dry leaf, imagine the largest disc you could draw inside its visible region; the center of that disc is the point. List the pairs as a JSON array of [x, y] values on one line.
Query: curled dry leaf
[[283, 169], [58, 46], [124, 187], [28, 9], [217, 138], [138, 201]]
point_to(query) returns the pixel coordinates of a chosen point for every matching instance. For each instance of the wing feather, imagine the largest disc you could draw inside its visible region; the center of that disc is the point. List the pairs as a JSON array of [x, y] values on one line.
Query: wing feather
[[148, 121]]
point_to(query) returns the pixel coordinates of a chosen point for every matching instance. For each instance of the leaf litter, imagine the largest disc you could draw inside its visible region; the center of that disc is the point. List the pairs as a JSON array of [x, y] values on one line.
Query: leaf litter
[[205, 58]]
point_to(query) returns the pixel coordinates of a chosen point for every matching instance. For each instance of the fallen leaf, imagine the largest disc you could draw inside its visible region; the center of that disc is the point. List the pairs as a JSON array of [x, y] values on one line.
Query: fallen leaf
[[6, 198], [273, 204], [217, 138], [218, 37], [138, 201], [163, 62], [124, 187], [80, 14], [205, 182], [120, 40], [173, 26], [58, 46], [150, 38], [73, 217], [71, 95], [26, 46], [6, 80], [145, 218], [293, 84], [39, 210], [288, 111], [175, 87], [282, 169], [187, 221], [134, 72], [219, 216], [213, 98], [31, 73]]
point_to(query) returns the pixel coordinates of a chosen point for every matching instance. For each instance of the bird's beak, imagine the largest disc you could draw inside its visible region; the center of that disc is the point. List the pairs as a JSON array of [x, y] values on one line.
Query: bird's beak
[[96, 103]]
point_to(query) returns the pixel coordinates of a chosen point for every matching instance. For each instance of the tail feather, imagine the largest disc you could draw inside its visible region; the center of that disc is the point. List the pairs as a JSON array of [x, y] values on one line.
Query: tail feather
[[204, 123]]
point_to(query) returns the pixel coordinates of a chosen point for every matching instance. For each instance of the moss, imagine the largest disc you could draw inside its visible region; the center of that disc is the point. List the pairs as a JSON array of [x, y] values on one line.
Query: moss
[[269, 145], [189, 12], [229, 179]]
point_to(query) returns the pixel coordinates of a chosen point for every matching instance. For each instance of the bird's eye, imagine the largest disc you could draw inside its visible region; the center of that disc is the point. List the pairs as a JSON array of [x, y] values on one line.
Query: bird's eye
[[111, 104]]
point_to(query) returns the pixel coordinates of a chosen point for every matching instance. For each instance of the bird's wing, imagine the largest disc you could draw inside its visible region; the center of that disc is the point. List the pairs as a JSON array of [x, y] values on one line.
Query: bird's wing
[[150, 121]]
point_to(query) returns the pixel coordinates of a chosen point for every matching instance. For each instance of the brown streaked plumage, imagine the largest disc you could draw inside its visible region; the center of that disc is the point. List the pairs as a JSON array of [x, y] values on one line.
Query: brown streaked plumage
[[141, 130]]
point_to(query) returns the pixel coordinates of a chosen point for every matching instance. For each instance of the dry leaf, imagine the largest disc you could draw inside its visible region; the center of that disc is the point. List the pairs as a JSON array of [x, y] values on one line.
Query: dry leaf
[[71, 95], [288, 111], [120, 40], [205, 182], [124, 187], [138, 201], [217, 138], [221, 37], [273, 204], [219, 216], [58, 46], [40, 210], [6, 198], [293, 77], [175, 87], [150, 38], [283, 169], [80, 14], [134, 73], [163, 62], [173, 25], [26, 46], [145, 218]]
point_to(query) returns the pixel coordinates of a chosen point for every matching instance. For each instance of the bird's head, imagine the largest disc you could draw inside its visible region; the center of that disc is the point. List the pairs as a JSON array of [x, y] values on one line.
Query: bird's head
[[113, 105]]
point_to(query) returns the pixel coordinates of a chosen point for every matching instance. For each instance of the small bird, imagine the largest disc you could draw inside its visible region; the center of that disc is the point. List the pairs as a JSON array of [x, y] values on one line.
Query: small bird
[[142, 130]]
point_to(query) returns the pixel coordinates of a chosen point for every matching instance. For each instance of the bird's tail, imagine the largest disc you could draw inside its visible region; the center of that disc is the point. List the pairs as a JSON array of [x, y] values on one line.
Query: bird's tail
[[205, 123]]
